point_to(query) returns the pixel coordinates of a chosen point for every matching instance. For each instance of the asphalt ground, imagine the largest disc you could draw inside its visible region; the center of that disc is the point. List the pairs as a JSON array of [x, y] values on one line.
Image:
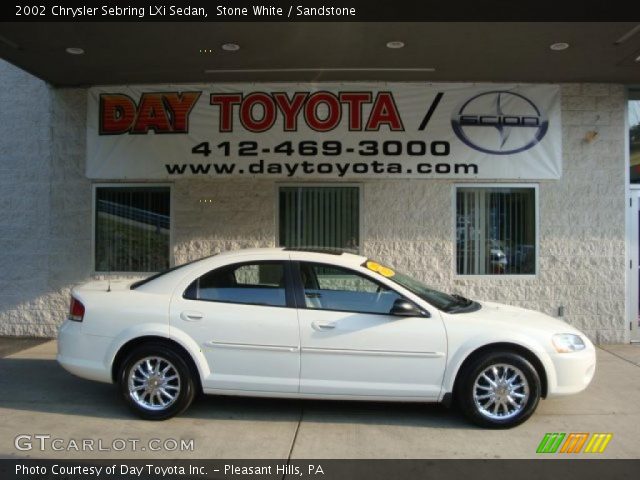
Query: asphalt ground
[[38, 397]]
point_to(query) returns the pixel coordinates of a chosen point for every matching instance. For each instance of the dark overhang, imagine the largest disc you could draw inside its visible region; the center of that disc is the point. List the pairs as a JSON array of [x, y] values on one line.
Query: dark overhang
[[121, 53]]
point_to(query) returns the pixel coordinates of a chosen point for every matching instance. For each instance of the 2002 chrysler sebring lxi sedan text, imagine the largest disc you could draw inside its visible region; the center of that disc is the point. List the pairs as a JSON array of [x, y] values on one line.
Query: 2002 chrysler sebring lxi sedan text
[[314, 324]]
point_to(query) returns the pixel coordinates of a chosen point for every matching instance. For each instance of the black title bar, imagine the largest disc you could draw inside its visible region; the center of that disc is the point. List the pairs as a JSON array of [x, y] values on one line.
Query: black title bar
[[574, 469], [319, 11]]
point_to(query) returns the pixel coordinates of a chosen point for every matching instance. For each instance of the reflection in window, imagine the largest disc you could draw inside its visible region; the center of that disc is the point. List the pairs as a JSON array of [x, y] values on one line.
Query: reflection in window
[[132, 227], [495, 231], [335, 288], [634, 141], [254, 284]]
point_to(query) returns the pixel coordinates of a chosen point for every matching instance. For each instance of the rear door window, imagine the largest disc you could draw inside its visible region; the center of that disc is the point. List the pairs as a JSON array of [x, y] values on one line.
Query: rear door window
[[259, 283]]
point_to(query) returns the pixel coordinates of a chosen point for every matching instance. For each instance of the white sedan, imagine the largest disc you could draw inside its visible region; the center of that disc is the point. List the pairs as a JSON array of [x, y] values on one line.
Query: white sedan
[[315, 324]]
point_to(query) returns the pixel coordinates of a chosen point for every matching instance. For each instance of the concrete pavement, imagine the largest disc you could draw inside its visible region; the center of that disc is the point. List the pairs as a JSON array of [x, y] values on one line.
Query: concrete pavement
[[9, 345], [38, 397]]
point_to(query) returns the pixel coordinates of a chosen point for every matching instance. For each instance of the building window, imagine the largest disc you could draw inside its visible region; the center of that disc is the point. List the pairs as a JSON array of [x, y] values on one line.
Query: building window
[[320, 217], [634, 136], [496, 231], [132, 226]]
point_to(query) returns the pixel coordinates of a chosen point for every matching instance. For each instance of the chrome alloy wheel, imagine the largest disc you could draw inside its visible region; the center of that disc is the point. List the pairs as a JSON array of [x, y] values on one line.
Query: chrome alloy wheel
[[154, 383], [500, 392]]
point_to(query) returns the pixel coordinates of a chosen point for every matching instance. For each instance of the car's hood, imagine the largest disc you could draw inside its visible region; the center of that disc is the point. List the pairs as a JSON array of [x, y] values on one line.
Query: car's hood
[[499, 313]]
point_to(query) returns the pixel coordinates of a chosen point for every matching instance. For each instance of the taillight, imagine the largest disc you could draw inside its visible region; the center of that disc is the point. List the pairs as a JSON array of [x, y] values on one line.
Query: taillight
[[76, 310]]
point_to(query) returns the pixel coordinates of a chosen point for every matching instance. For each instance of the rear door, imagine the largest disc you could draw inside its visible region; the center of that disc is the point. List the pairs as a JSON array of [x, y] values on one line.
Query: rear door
[[243, 318]]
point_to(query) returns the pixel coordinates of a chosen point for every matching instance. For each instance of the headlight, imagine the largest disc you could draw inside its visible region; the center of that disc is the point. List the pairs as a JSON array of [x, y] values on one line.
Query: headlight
[[567, 342]]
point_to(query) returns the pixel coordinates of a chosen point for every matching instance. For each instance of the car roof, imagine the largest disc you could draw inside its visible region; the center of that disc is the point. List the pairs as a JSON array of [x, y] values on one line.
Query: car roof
[[168, 280], [332, 255]]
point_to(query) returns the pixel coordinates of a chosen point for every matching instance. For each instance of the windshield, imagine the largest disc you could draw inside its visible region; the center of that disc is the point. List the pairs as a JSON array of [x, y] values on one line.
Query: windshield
[[440, 300]]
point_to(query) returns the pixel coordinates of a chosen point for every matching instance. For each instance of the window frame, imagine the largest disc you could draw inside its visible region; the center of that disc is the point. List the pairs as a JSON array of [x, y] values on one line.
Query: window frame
[[454, 191], [632, 95], [359, 186], [289, 292], [94, 197], [299, 288]]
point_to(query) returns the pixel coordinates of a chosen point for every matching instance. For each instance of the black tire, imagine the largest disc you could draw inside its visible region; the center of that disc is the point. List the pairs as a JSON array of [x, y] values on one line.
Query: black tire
[[185, 381], [466, 384]]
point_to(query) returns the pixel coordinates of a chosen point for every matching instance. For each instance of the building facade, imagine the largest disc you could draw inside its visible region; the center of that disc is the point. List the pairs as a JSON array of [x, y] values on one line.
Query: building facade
[[573, 265]]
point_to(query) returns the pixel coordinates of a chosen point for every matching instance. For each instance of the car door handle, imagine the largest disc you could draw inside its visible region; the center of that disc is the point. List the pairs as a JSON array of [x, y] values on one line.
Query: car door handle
[[320, 326], [191, 316]]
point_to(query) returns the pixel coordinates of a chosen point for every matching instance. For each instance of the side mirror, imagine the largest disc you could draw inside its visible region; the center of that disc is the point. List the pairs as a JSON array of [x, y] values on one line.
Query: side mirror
[[405, 308]]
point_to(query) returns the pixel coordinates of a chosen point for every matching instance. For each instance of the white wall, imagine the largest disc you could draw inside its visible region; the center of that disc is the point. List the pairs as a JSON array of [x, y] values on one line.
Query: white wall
[[45, 234], [25, 168], [45, 203]]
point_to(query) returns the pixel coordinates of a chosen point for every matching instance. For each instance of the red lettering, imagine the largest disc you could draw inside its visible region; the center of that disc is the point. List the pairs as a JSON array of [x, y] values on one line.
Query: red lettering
[[333, 111], [290, 108], [117, 113], [181, 105], [226, 102], [354, 101], [384, 112], [151, 115], [247, 112], [322, 111]]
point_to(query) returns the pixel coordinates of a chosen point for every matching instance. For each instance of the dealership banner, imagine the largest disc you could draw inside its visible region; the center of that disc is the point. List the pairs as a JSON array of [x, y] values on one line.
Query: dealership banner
[[325, 131]]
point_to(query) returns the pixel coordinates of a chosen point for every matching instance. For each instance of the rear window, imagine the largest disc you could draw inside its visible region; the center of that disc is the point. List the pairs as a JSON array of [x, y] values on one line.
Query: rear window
[[144, 281]]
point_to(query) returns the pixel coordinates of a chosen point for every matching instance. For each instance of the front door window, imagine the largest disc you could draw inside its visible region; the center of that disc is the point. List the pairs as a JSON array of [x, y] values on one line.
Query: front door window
[[335, 288]]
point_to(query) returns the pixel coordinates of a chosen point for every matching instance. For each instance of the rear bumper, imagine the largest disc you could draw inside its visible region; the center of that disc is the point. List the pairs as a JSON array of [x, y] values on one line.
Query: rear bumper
[[574, 371], [83, 355]]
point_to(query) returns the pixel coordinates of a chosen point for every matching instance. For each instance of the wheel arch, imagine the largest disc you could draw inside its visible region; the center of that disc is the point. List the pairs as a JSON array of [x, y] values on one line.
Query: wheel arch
[[132, 344], [528, 354]]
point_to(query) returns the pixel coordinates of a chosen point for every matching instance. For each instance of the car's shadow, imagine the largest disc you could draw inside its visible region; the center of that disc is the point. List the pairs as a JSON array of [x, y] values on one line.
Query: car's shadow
[[41, 385]]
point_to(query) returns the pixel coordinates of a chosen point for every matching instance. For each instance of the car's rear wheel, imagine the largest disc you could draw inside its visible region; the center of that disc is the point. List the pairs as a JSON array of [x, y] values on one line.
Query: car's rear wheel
[[499, 390], [156, 382]]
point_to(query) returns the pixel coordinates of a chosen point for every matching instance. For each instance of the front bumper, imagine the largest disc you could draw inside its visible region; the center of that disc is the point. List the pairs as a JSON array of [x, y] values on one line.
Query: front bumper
[[83, 355], [574, 371]]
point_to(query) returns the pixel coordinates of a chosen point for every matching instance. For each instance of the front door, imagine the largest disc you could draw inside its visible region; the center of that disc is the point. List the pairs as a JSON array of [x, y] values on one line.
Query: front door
[[634, 265], [350, 345], [243, 318]]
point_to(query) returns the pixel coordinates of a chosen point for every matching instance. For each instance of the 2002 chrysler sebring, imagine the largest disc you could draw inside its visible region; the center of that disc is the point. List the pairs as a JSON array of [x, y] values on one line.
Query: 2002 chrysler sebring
[[314, 324]]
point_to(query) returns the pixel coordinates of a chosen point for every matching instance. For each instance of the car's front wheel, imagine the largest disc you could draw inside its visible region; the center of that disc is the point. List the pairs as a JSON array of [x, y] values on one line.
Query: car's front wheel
[[499, 390], [156, 382]]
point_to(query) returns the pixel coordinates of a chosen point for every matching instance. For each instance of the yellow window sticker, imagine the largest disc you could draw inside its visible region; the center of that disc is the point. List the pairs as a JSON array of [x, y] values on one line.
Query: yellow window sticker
[[381, 269]]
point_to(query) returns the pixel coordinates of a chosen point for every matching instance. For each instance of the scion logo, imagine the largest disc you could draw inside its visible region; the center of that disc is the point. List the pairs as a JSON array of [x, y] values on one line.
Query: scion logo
[[499, 123]]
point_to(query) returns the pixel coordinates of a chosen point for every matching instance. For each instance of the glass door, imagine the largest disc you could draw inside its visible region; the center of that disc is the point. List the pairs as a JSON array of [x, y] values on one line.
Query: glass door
[[634, 265]]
